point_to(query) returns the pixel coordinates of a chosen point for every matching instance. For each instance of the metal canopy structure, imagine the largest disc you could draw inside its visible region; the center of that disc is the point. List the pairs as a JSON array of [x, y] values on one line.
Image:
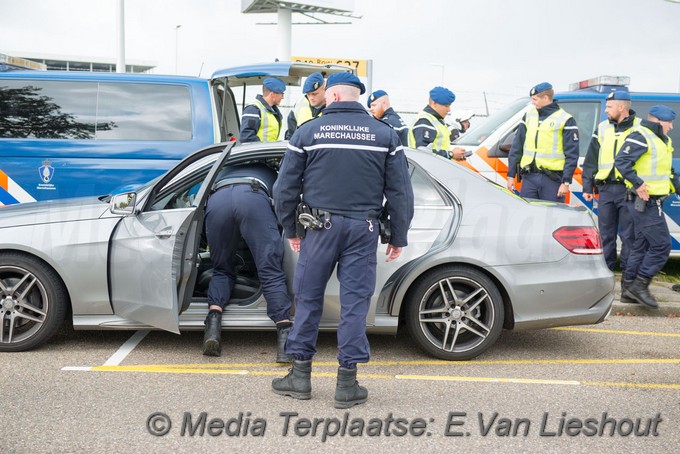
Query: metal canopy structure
[[285, 9]]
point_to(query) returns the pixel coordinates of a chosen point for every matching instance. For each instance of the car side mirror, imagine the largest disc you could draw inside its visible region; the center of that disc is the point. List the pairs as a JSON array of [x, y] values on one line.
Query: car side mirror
[[506, 144], [123, 203]]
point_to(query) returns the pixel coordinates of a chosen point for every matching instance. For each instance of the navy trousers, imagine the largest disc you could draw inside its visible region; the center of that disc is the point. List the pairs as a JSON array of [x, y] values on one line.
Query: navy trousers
[[352, 246], [652, 245], [613, 218], [539, 186], [238, 210]]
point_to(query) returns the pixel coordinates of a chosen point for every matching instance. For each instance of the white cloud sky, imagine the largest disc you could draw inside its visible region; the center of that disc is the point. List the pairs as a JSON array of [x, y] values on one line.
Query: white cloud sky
[[501, 47]]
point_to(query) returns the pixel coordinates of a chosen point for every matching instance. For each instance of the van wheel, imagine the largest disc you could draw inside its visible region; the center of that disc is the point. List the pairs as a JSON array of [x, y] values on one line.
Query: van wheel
[[454, 313], [32, 302]]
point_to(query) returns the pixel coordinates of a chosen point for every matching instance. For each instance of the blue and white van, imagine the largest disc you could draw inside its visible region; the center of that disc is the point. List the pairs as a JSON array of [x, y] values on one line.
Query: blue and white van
[[71, 134], [490, 141]]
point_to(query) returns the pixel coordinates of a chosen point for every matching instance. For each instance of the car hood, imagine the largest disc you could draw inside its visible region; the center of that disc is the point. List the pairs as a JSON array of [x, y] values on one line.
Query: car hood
[[51, 211]]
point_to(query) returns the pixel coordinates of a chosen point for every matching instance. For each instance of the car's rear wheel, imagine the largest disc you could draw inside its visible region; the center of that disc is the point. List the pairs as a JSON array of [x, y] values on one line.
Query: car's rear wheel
[[454, 313], [32, 302]]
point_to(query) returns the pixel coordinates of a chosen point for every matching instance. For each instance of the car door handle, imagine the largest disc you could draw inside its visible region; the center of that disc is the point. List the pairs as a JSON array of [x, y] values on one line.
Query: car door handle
[[164, 234]]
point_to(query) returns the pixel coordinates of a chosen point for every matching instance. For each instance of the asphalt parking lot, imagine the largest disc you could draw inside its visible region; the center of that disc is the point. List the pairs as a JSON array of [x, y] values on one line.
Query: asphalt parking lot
[[610, 387]]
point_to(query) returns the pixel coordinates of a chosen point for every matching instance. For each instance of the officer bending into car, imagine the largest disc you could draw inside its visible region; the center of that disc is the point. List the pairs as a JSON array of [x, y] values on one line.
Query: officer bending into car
[[545, 148], [646, 163], [379, 105], [344, 163], [429, 130], [599, 173], [261, 120], [240, 206], [310, 106]]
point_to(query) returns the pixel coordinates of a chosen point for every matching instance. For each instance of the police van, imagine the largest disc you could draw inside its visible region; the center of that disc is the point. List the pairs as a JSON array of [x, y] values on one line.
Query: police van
[[71, 134], [491, 140]]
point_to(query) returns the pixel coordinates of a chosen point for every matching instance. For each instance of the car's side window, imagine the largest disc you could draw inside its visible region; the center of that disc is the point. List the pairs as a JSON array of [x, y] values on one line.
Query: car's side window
[[424, 191], [587, 115]]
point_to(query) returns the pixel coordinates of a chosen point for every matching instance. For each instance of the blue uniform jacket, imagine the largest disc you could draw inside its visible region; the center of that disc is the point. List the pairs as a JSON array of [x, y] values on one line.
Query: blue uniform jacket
[[250, 123], [425, 136], [634, 147], [569, 142], [344, 162], [590, 164], [393, 119]]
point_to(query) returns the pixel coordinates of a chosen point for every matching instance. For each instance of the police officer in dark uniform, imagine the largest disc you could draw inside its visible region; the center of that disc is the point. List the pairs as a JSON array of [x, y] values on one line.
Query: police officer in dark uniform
[[545, 148], [310, 106], [429, 130], [379, 105], [646, 163], [241, 206], [261, 120], [599, 172], [344, 163]]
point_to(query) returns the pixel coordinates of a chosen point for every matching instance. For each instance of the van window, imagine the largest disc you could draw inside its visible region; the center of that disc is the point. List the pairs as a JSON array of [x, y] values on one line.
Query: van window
[[587, 116], [641, 109], [98, 111]]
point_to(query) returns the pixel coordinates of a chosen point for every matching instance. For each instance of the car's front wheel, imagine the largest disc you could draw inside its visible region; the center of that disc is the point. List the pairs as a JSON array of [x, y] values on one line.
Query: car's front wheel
[[32, 302], [454, 312]]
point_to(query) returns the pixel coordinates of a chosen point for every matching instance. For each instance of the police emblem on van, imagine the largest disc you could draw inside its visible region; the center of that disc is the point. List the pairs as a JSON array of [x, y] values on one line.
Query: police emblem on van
[[46, 171]]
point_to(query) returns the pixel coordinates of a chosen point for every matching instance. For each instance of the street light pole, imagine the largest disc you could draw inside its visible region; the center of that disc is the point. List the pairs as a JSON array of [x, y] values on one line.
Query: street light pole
[[177, 27]]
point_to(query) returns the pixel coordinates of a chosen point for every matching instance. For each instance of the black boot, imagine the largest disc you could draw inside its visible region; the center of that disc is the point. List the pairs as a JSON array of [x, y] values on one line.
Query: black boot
[[626, 297], [212, 339], [282, 336], [348, 392], [639, 290], [298, 383]]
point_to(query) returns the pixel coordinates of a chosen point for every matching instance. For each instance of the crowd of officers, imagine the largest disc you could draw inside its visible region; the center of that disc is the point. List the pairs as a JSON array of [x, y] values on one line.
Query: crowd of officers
[[361, 156]]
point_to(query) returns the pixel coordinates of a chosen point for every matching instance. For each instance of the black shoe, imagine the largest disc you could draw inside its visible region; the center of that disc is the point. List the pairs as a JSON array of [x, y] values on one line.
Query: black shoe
[[639, 290], [626, 297], [298, 383], [348, 393], [281, 337], [212, 339]]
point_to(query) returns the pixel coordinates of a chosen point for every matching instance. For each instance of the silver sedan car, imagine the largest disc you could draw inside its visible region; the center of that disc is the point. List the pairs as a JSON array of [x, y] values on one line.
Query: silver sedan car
[[479, 259]]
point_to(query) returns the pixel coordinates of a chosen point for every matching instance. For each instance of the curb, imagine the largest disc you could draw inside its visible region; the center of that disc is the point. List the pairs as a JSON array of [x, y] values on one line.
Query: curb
[[669, 302]]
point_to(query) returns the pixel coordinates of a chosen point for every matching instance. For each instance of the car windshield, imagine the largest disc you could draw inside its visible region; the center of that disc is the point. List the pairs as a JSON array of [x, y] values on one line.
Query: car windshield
[[477, 134]]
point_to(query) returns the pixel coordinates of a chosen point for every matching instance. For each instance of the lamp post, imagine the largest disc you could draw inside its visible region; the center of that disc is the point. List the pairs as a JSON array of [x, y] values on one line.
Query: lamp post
[[442, 70], [177, 27]]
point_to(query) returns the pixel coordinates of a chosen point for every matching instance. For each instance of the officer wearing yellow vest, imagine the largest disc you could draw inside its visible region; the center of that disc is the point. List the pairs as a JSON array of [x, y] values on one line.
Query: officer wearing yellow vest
[[645, 162], [545, 148], [429, 130], [261, 120], [310, 105], [599, 173]]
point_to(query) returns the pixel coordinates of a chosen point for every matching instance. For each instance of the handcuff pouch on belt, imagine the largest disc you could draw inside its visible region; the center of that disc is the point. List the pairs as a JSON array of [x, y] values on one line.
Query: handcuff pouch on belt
[[384, 226], [306, 219]]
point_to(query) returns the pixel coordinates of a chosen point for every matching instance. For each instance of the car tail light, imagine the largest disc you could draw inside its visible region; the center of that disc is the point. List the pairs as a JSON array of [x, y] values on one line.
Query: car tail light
[[579, 240]]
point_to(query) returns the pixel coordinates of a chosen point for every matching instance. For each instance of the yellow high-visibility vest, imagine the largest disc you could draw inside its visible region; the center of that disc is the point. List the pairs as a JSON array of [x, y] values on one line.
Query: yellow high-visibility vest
[[654, 167], [442, 138], [269, 124], [303, 111], [611, 143], [543, 141]]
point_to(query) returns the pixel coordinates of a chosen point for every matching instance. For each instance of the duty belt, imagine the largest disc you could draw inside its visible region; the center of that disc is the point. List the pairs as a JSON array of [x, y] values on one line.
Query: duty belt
[[604, 182], [254, 183]]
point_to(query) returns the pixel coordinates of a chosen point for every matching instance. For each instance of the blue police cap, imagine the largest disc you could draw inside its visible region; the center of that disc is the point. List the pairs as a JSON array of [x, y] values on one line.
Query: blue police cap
[[442, 95], [375, 95], [543, 86], [345, 79], [274, 84], [313, 83], [621, 95], [663, 113]]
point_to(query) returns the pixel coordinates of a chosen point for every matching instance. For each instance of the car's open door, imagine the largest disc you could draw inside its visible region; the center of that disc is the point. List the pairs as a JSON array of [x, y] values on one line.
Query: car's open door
[[152, 257]]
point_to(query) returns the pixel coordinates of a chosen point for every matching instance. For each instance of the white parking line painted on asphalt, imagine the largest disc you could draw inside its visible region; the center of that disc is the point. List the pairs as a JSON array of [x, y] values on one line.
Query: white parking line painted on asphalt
[[126, 348]]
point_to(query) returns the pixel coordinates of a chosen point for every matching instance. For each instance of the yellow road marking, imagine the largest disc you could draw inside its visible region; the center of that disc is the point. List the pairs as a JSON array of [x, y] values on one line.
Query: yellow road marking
[[614, 331], [487, 379], [633, 385]]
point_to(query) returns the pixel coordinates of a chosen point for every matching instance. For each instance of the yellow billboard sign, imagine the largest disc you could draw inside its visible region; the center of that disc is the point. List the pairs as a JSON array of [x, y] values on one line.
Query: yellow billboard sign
[[360, 66]]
